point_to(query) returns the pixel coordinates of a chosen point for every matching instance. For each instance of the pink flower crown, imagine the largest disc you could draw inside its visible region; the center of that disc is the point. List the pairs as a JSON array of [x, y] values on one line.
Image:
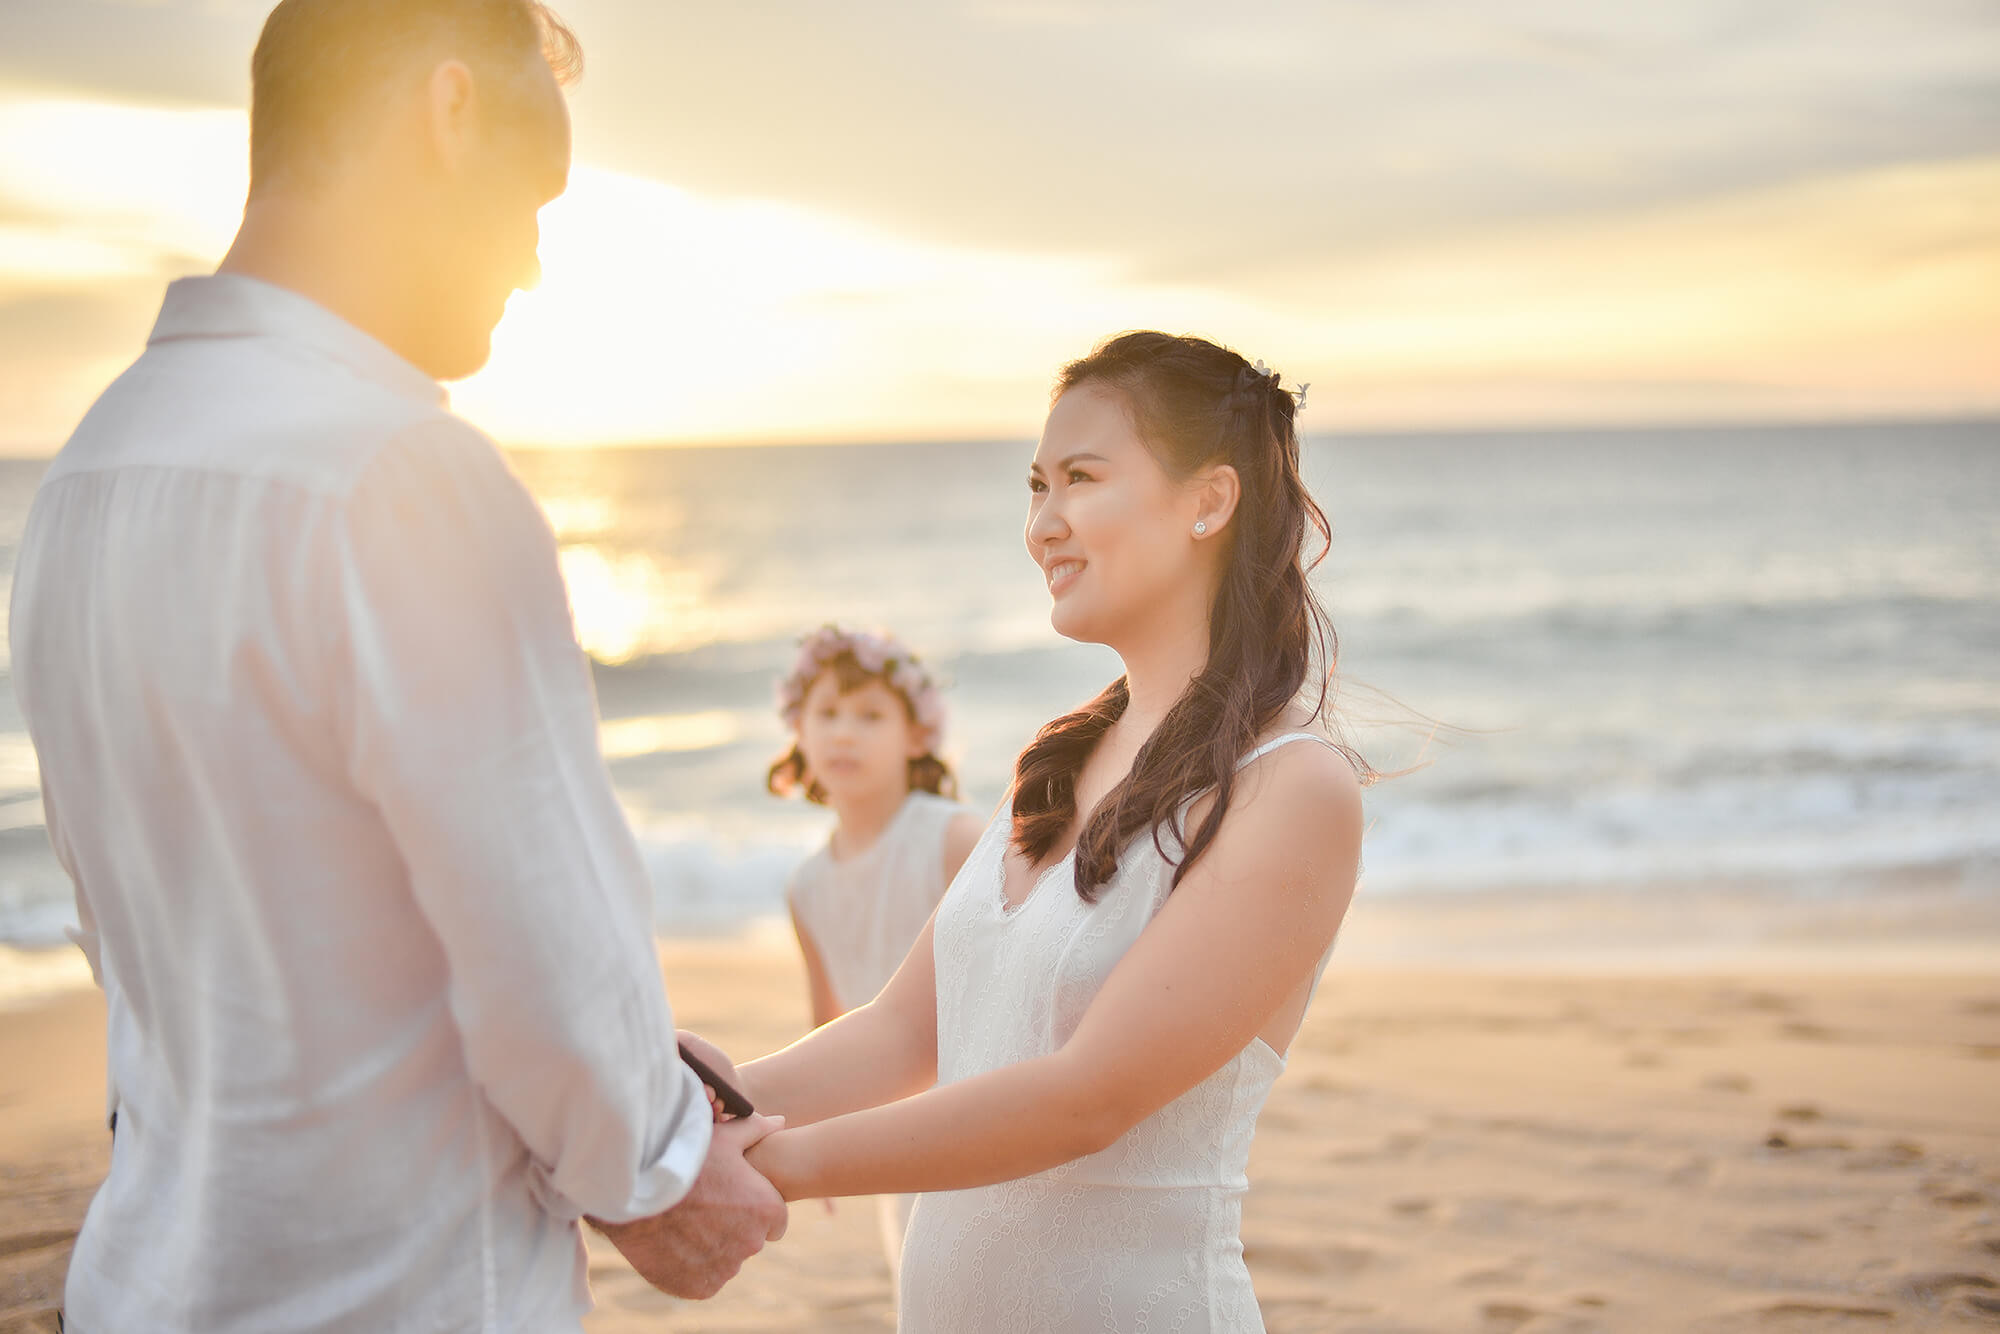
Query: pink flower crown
[[878, 654]]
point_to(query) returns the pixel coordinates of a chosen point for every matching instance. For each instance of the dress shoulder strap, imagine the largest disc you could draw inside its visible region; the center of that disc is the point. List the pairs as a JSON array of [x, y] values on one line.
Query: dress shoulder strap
[[1287, 739]]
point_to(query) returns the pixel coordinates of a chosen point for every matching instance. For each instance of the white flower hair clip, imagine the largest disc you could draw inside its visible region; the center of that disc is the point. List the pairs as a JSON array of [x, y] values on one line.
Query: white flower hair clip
[[1264, 372]]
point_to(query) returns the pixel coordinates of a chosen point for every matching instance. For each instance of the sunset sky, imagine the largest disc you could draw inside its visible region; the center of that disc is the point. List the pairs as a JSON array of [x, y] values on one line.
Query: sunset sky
[[802, 221]]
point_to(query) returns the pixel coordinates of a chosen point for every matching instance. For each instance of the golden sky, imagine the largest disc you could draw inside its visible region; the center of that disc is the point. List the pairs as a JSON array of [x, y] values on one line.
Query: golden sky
[[800, 221]]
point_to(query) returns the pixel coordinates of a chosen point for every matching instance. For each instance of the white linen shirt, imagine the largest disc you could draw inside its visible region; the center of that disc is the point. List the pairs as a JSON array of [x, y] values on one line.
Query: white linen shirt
[[319, 751]]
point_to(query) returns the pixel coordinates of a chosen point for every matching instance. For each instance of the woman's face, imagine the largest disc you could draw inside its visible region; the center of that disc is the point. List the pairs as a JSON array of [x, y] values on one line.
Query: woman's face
[[856, 742], [1111, 530]]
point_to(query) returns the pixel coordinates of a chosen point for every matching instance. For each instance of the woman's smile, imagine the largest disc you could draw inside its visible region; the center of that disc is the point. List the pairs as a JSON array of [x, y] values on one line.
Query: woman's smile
[[1062, 574]]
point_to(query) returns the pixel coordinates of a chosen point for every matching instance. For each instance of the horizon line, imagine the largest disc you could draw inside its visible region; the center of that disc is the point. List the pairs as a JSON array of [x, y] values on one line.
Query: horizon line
[[1610, 426]]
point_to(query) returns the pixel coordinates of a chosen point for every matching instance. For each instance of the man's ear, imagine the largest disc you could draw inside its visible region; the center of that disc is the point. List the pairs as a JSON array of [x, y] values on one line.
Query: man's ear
[[451, 103], [1216, 490]]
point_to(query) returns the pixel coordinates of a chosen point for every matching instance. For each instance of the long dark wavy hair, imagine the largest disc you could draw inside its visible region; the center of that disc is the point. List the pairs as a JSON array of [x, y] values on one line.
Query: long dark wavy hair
[[1196, 405]]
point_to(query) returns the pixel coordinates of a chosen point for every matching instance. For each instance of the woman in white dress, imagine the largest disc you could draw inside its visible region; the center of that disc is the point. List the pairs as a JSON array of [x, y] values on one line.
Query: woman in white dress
[[1105, 994]]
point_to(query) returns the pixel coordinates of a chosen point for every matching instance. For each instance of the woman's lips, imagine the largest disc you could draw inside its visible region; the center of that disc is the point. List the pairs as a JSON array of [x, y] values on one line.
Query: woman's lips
[[1062, 574]]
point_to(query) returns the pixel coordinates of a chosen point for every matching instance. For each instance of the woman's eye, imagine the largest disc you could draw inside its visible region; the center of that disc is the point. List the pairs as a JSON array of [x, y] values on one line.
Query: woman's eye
[[1037, 485], [1078, 475]]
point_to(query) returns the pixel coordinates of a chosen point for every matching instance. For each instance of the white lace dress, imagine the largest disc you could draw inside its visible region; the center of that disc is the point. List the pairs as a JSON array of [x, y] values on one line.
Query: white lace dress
[[1141, 1238], [863, 913]]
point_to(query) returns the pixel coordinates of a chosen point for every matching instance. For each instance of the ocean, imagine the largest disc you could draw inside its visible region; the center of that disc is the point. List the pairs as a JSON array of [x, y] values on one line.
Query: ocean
[[1613, 661]]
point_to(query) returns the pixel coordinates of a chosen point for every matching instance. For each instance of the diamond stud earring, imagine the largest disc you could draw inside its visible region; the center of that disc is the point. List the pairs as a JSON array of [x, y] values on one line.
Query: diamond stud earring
[[1200, 527]]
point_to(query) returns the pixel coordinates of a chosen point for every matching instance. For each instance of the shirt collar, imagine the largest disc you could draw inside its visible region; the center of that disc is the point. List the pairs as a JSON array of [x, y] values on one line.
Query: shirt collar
[[230, 305]]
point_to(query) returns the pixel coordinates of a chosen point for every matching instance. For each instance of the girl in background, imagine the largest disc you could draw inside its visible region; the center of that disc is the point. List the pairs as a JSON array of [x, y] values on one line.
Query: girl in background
[[867, 723]]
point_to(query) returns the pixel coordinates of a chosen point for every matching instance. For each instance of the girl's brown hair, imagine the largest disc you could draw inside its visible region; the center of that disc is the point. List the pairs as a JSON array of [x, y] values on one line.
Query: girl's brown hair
[[1195, 404], [928, 772]]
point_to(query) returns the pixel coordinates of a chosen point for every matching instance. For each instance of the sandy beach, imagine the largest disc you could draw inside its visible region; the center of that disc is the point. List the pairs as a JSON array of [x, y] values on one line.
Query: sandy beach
[[1779, 1138]]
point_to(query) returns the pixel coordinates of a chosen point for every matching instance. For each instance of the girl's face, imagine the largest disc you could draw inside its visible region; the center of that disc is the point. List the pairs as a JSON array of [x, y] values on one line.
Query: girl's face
[[1110, 529], [859, 742]]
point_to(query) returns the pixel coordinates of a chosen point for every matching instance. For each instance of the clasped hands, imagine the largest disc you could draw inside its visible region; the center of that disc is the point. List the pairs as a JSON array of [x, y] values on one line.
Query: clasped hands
[[694, 1248]]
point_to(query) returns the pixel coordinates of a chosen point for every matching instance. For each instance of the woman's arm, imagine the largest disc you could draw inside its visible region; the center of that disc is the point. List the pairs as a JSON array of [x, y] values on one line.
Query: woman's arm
[[819, 991], [875, 1053], [1240, 936]]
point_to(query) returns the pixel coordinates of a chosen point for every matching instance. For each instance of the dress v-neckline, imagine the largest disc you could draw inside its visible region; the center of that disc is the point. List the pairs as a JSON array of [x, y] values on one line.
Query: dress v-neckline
[[1012, 910]]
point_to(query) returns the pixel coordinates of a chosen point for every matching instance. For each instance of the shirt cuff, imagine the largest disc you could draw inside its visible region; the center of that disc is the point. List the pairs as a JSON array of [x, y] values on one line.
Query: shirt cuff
[[665, 1182]]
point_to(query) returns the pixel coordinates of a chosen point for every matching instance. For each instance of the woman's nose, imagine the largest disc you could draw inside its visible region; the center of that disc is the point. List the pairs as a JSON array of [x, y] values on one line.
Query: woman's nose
[[1047, 524]]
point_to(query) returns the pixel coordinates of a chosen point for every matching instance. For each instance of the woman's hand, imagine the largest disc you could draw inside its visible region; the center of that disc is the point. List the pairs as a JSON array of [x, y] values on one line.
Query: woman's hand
[[783, 1158], [713, 1057]]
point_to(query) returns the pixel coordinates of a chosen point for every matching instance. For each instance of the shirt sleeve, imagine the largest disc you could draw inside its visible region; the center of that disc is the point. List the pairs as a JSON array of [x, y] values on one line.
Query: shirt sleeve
[[84, 934], [470, 723]]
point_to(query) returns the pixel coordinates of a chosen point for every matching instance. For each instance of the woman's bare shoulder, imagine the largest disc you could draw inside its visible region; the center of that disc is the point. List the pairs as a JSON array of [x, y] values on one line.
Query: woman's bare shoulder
[[1304, 778]]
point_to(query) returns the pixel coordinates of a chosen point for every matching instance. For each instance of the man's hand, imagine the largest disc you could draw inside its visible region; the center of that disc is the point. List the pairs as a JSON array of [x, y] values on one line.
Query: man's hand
[[695, 1247]]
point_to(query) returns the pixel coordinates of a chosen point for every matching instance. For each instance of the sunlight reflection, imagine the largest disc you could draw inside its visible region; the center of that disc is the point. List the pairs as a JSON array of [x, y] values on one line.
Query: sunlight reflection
[[667, 733], [575, 518], [628, 606]]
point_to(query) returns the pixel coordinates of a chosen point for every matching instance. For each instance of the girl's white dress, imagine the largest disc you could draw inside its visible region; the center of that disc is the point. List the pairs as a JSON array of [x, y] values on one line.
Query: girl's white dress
[[1141, 1236], [864, 912]]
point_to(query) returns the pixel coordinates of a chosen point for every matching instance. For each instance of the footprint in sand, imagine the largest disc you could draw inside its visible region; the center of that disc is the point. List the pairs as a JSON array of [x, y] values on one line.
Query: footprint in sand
[[1290, 1258], [1798, 1316], [1800, 1111], [1693, 1172], [1953, 1194], [1930, 1290], [1788, 1143], [1330, 1086], [1764, 1002], [1507, 1315], [1821, 1315], [1500, 1276], [1784, 1235], [1728, 1082], [1395, 1147], [1899, 1153], [22, 1242]]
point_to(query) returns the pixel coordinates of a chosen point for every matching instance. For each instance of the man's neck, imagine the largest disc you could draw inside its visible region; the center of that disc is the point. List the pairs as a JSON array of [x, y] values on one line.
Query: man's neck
[[314, 247]]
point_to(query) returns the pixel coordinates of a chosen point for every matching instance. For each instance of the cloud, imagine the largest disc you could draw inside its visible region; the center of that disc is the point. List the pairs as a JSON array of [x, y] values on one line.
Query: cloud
[[58, 349], [1171, 133], [165, 52], [803, 220]]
